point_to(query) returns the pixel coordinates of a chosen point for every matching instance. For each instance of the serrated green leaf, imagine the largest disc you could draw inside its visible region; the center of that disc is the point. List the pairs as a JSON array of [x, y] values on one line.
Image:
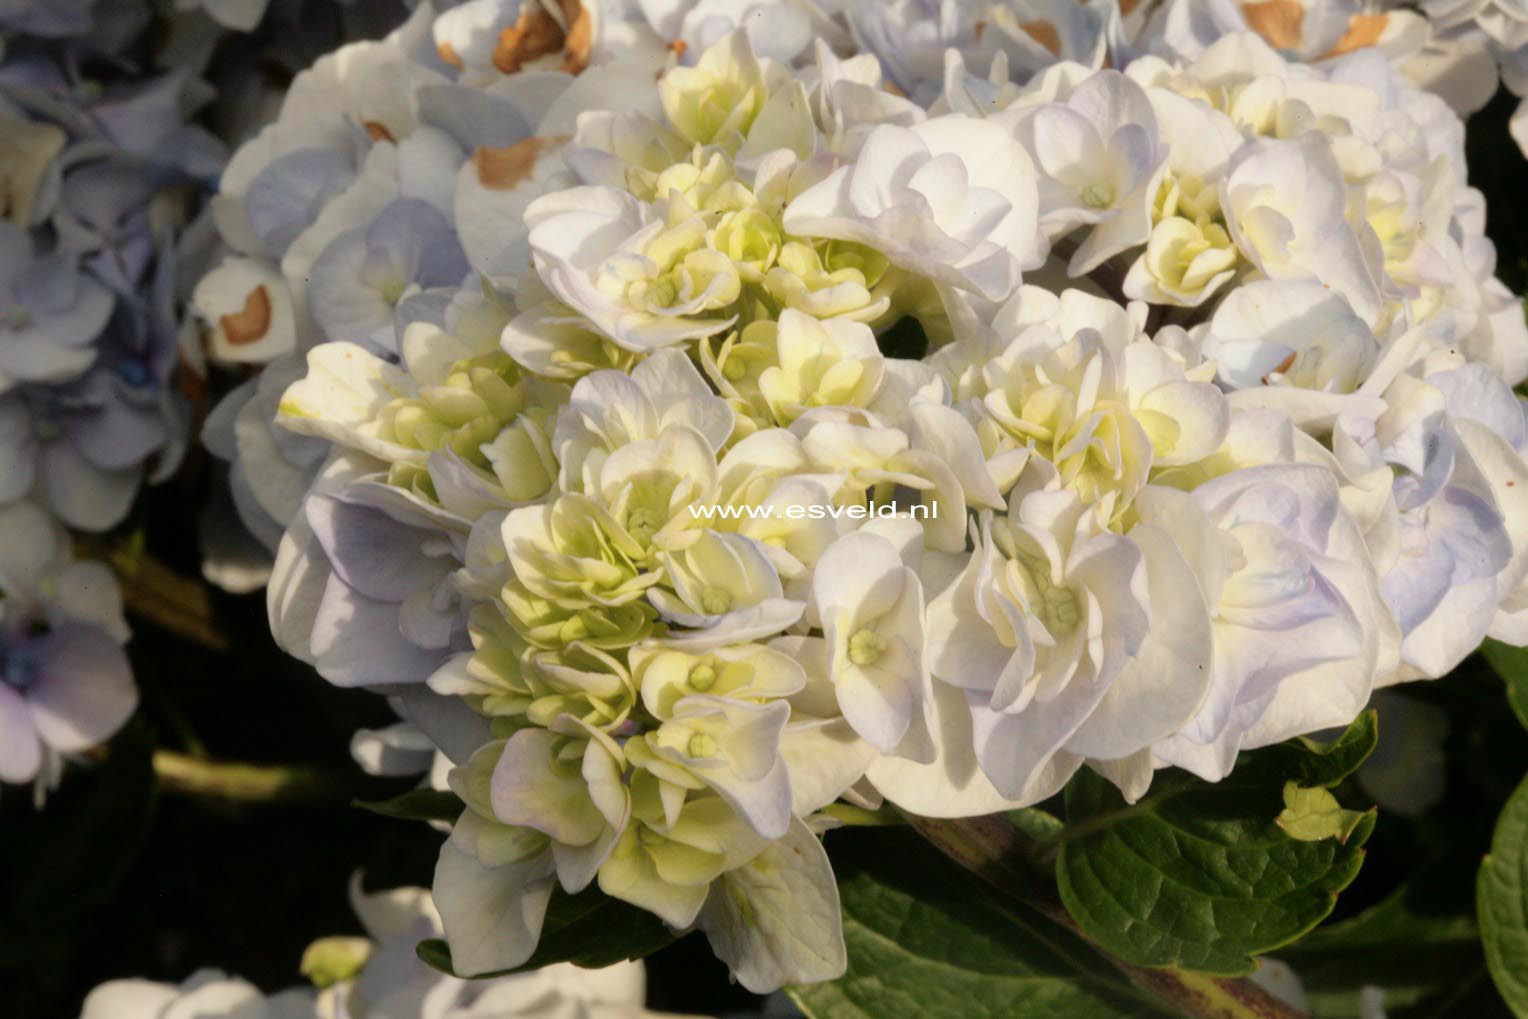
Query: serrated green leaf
[[1502, 903], [417, 805], [1310, 762], [589, 929], [1200, 875], [1311, 815], [1511, 664], [926, 941]]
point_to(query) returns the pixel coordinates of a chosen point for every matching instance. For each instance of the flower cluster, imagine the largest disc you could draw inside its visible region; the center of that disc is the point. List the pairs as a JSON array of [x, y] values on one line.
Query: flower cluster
[[99, 176], [100, 171], [697, 418], [1458, 49], [107, 155], [338, 212], [379, 977]]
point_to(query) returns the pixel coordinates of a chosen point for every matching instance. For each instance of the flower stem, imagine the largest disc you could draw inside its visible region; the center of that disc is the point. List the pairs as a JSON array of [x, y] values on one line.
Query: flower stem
[[851, 816], [245, 783], [1013, 862]]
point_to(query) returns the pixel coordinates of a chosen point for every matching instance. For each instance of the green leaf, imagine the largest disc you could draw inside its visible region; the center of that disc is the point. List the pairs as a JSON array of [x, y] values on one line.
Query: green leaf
[[1201, 876], [1511, 664], [436, 954], [417, 805], [589, 929], [1311, 815], [1310, 762], [927, 941], [1035, 823], [1501, 901]]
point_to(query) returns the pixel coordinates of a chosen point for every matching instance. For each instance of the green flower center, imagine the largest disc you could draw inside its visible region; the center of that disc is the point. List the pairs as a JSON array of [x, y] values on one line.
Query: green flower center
[[478, 399], [866, 647], [1055, 605], [702, 677], [642, 523], [1096, 196]]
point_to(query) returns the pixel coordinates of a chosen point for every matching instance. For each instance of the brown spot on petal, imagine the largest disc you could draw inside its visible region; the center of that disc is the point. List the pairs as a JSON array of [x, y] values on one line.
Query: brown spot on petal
[[1280, 368], [533, 35], [250, 323], [579, 42], [679, 46], [504, 167], [1044, 33], [379, 132], [1364, 30], [1126, 6], [1277, 21], [977, 30], [448, 53]]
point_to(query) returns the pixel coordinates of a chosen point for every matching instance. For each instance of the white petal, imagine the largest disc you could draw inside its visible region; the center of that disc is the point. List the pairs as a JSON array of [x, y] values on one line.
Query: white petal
[[1166, 681], [953, 785], [20, 752], [84, 690], [776, 920], [492, 916]]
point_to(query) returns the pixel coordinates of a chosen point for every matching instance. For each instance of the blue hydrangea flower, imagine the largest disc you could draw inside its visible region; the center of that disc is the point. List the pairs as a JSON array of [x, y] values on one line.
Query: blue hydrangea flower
[[51, 313], [79, 447], [88, 319], [145, 118], [365, 272], [65, 682]]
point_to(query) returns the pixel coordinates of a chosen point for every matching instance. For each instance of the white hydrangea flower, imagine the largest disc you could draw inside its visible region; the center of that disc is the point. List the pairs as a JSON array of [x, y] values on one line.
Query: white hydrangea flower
[[725, 588], [725, 467], [1099, 155], [641, 276], [207, 992], [609, 410], [951, 199], [1076, 381], [871, 608], [1457, 544], [1286, 205], [378, 975], [1295, 346], [1189, 253], [822, 364], [1045, 616], [1301, 627]]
